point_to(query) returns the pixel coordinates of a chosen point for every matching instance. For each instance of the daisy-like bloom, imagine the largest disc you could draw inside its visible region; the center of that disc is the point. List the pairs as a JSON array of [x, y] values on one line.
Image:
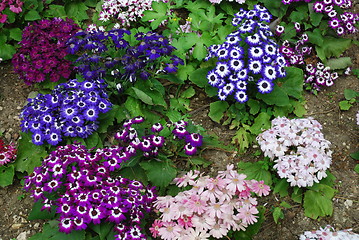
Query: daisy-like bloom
[[228, 88], [241, 85], [265, 86], [253, 40], [297, 26], [213, 78], [255, 52], [222, 69], [260, 188], [236, 64], [279, 30], [246, 214], [155, 227], [241, 96], [318, 6], [169, 230], [255, 66], [190, 149], [270, 72], [222, 53]]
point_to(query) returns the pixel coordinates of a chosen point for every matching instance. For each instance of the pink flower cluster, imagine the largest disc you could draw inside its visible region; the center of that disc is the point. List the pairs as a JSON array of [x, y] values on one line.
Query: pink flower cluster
[[211, 208], [14, 6], [298, 148], [42, 51], [7, 152], [329, 233], [125, 11]]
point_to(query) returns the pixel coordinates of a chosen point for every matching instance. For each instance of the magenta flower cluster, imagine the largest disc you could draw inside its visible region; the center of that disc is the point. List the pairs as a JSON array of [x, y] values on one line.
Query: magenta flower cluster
[[42, 51], [79, 184], [211, 208], [342, 23], [70, 110], [15, 6], [329, 233], [151, 144], [249, 58], [7, 152], [298, 148], [291, 1]]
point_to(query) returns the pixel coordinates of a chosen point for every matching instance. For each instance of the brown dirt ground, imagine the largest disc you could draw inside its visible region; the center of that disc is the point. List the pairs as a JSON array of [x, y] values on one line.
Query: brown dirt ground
[[339, 127]]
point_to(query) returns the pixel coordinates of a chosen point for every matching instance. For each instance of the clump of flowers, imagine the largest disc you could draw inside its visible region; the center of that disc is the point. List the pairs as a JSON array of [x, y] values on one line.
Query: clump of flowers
[[298, 148], [291, 1], [79, 184], [211, 208], [316, 75], [42, 51], [108, 54], [7, 152], [15, 6], [249, 57], [219, 1], [70, 110], [329, 233], [125, 11], [151, 144], [341, 23]]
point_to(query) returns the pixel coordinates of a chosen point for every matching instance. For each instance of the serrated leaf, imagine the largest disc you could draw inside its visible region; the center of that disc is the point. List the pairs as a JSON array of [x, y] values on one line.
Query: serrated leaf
[[261, 122], [332, 47], [243, 138], [285, 204], [55, 11], [199, 76], [6, 175], [160, 173], [299, 109], [315, 37], [36, 212], [276, 97], [134, 107], [188, 93], [293, 82], [200, 161], [93, 140], [281, 187], [345, 105], [217, 109], [350, 93], [255, 171], [32, 15], [318, 201], [102, 229], [7, 51], [106, 119], [277, 213], [199, 51], [143, 96], [76, 10], [29, 155], [16, 34], [297, 195], [339, 63], [254, 106], [51, 232], [134, 173], [184, 71]]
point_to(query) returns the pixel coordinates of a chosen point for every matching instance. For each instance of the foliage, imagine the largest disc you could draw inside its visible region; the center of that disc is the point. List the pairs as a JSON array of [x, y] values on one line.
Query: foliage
[[350, 99]]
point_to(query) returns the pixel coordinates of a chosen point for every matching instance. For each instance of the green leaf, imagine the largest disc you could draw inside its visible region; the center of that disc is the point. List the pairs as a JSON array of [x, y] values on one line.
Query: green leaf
[[51, 231], [102, 229], [299, 109], [76, 11], [261, 122], [285, 204], [143, 96], [293, 82], [188, 93], [199, 161], [297, 195], [184, 71], [217, 110], [93, 140], [276, 97], [355, 155], [345, 105], [277, 8], [277, 213], [133, 105], [243, 138], [16, 34], [106, 119], [315, 17], [281, 187], [32, 15], [174, 115], [134, 173], [6, 175], [199, 77], [36, 212], [7, 51], [350, 93], [55, 11], [199, 51], [29, 155], [332, 47], [356, 169], [339, 63], [160, 173], [315, 37], [318, 201], [254, 106], [255, 171]]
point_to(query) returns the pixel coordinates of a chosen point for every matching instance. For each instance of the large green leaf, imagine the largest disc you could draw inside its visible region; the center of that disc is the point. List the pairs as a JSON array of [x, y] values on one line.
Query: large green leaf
[[255, 171], [318, 201], [293, 82], [32, 15], [339, 63], [199, 77], [277, 97], [217, 109], [143, 96], [103, 229], [76, 11], [36, 212], [160, 173], [6, 175], [7, 51], [51, 232], [332, 47], [261, 122]]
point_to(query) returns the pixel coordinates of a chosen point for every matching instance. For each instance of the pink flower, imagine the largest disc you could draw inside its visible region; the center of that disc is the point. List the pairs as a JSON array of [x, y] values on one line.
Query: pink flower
[[246, 214], [197, 205], [155, 226], [237, 183], [219, 230], [3, 18], [185, 222], [218, 209], [169, 231], [260, 188], [187, 179]]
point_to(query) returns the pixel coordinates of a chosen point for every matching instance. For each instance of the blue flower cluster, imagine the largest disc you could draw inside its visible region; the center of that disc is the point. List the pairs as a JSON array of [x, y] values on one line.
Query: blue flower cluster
[[151, 144], [71, 110], [248, 57], [109, 54], [84, 191]]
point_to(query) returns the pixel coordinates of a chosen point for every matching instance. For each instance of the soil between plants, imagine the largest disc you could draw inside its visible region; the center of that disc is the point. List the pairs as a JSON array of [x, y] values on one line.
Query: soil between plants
[[339, 127]]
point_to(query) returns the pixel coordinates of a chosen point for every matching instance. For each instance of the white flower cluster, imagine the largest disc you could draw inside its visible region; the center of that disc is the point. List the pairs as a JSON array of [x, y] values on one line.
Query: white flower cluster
[[299, 149], [125, 11], [328, 233], [358, 118]]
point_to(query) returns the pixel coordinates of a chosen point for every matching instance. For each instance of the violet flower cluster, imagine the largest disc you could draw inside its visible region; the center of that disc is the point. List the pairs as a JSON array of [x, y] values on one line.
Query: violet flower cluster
[[70, 110], [316, 75], [341, 23], [42, 51], [151, 144], [79, 184], [248, 57], [329, 233], [7, 152], [15, 6], [125, 11], [291, 1], [298, 148], [211, 208], [108, 54]]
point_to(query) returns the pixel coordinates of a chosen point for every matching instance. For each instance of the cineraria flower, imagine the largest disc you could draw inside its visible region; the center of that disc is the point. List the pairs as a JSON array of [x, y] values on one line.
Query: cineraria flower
[[14, 6], [84, 195], [329, 233], [7, 152], [43, 49], [257, 64], [211, 208], [71, 109], [299, 150]]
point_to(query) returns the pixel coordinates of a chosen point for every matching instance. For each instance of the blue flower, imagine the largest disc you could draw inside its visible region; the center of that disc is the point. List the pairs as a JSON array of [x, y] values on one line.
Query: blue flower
[[265, 86]]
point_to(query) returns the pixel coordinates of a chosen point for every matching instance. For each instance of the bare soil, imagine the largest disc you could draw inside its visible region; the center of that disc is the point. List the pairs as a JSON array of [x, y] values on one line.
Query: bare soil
[[339, 127]]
